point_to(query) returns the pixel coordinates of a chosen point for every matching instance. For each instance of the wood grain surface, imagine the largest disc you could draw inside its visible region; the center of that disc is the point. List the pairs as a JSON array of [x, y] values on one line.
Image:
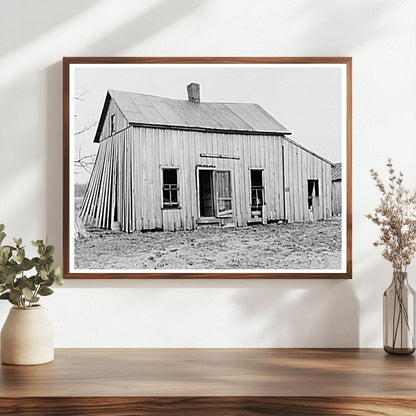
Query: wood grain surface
[[212, 381]]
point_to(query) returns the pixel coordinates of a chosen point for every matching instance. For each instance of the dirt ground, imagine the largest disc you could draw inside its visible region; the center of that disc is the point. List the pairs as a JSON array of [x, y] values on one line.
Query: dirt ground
[[312, 245]]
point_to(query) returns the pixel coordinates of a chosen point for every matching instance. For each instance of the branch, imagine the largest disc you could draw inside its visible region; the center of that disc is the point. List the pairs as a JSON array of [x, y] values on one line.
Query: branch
[[85, 128], [85, 162], [80, 97]]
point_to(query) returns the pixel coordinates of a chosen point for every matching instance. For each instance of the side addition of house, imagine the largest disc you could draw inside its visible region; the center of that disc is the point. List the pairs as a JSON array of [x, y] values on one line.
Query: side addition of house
[[336, 194], [168, 164]]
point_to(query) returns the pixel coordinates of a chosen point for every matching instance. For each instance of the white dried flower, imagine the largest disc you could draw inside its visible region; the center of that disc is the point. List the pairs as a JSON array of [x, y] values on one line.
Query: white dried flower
[[396, 217]]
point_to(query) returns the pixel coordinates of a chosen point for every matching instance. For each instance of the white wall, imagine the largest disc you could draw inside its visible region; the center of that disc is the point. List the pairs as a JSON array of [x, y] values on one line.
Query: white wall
[[380, 35]]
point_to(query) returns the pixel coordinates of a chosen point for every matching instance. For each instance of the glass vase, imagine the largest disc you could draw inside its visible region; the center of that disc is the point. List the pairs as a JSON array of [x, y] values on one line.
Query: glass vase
[[399, 316]]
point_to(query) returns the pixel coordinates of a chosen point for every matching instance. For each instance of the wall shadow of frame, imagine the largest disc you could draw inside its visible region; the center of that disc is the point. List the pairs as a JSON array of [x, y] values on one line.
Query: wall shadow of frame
[[105, 222]]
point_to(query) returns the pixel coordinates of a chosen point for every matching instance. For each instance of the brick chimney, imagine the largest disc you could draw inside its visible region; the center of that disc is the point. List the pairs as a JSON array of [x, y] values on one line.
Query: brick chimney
[[193, 93]]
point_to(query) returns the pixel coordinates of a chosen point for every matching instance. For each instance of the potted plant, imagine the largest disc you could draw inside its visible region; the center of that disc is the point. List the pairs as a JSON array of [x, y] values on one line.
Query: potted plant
[[396, 217], [27, 336]]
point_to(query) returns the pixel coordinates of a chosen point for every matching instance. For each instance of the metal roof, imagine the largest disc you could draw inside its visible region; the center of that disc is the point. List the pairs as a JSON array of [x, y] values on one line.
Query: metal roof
[[337, 172], [150, 110]]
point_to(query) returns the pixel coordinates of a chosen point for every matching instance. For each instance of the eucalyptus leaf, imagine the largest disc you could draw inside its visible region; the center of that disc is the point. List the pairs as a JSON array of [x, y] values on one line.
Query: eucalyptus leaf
[[27, 293], [15, 294], [26, 264], [13, 301], [49, 250], [5, 250], [48, 282], [43, 275], [24, 282], [9, 278], [45, 291], [38, 280], [21, 255], [15, 284]]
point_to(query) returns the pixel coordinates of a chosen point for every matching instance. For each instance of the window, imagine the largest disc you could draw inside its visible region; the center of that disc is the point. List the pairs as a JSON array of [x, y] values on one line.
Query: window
[[313, 191], [170, 188], [112, 123], [256, 188]]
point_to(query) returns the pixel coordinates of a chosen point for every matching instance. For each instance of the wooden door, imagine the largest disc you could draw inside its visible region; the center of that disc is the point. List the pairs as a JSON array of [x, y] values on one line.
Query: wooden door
[[223, 193]]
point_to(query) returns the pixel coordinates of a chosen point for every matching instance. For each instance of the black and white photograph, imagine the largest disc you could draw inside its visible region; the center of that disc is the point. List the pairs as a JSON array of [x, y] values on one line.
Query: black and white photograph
[[207, 168]]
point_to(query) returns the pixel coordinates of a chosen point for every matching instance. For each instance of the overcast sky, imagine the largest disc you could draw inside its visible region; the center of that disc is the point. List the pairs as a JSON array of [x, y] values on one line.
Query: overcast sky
[[306, 100]]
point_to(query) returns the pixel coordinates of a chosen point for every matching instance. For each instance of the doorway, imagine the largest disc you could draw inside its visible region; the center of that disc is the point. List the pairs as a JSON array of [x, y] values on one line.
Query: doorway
[[206, 193], [257, 194]]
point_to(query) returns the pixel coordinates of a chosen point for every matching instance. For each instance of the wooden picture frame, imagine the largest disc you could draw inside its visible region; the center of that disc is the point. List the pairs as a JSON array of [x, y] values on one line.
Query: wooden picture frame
[[220, 185]]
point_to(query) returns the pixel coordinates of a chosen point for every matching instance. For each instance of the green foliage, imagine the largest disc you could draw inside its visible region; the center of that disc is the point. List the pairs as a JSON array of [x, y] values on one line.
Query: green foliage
[[15, 285]]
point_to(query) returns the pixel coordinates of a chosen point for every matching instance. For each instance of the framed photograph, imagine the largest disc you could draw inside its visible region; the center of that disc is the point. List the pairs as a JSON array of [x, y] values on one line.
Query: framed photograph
[[207, 168]]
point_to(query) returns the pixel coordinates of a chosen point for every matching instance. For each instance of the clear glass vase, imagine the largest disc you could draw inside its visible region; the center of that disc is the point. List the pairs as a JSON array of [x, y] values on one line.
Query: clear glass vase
[[399, 316]]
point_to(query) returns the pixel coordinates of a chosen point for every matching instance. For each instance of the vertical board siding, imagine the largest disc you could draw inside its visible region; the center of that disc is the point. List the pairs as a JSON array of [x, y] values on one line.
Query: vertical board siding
[[120, 121], [112, 172], [130, 164], [156, 148], [336, 197], [301, 165]]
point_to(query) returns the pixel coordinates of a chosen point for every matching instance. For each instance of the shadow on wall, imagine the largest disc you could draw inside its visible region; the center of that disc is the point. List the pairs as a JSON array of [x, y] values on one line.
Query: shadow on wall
[[38, 15], [301, 313], [319, 18], [158, 17]]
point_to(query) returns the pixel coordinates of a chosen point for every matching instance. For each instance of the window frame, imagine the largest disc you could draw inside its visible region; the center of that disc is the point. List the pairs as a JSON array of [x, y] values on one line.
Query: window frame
[[170, 205], [112, 123], [315, 191]]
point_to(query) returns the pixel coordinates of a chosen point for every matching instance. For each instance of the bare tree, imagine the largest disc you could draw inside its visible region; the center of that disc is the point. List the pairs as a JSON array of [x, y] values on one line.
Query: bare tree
[[83, 161]]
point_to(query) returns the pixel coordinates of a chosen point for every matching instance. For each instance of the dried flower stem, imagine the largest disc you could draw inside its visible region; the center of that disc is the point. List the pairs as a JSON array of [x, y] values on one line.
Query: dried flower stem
[[396, 217]]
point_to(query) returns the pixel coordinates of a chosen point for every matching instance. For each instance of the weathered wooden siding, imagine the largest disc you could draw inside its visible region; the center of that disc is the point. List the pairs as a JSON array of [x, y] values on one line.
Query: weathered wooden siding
[[109, 198], [120, 121], [336, 197], [125, 188], [301, 165], [156, 148]]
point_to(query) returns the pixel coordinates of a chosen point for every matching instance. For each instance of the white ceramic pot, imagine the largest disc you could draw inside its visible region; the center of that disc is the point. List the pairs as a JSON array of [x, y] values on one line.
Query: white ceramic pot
[[27, 337]]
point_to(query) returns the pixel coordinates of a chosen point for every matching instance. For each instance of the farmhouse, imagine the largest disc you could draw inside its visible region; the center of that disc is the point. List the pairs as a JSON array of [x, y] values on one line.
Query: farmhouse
[[169, 164]]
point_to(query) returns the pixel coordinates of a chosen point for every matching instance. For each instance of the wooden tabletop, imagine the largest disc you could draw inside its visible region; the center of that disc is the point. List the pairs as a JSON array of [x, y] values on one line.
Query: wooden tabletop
[[263, 377]]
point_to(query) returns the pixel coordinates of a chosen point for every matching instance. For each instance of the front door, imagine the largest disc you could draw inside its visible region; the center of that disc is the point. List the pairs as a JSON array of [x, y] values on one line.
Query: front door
[[206, 193]]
